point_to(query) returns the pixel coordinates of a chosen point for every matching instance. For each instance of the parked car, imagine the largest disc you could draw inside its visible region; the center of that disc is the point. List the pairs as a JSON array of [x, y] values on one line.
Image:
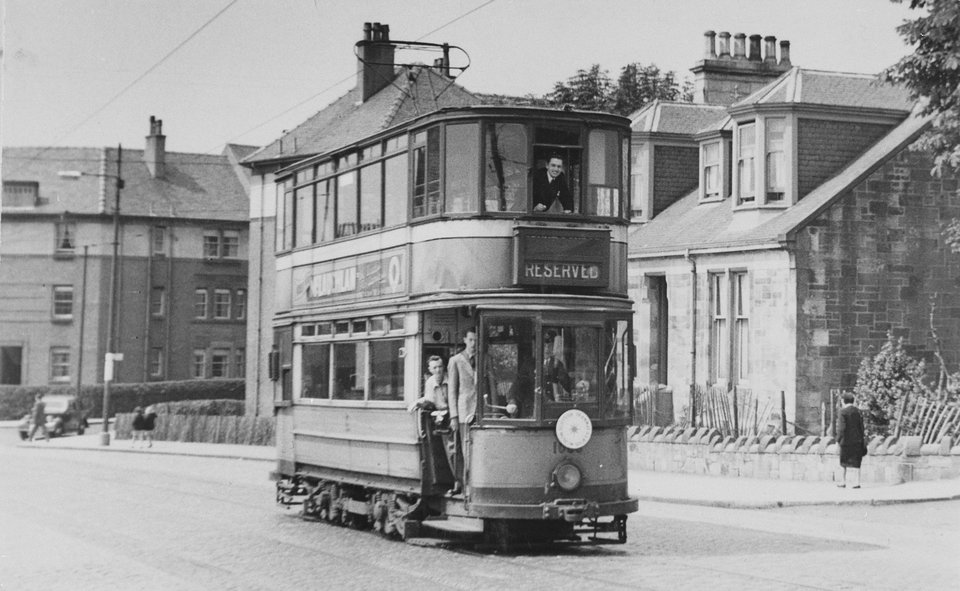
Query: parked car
[[64, 414]]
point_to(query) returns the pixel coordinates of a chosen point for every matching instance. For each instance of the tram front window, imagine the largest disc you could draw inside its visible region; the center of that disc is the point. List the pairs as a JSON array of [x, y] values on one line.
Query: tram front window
[[570, 365], [509, 369]]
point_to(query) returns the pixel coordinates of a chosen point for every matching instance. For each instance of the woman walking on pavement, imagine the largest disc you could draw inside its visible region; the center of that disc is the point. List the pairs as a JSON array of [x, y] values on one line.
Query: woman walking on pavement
[[851, 437]]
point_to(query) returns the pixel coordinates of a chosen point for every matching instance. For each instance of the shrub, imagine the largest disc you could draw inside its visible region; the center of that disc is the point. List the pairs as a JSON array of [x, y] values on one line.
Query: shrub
[[886, 381], [15, 401], [219, 407]]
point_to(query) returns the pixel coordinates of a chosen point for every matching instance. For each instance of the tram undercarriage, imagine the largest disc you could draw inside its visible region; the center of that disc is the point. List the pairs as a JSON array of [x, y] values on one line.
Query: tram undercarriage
[[413, 518]]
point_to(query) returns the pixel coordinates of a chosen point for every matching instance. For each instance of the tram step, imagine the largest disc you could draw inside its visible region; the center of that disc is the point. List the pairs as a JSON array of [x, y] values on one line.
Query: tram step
[[452, 526]]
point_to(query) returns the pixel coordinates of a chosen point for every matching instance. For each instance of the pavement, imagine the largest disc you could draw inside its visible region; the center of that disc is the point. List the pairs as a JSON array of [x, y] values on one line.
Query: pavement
[[663, 487]]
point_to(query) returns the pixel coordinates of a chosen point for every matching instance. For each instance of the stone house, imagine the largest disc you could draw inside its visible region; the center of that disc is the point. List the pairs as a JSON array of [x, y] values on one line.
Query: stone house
[[785, 225]]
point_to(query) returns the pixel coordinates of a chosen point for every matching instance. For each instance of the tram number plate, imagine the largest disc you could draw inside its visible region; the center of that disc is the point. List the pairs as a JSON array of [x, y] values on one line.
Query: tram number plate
[[559, 448]]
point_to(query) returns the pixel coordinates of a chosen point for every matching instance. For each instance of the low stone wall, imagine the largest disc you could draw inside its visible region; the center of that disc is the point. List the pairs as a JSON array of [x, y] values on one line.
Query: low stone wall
[[704, 451]]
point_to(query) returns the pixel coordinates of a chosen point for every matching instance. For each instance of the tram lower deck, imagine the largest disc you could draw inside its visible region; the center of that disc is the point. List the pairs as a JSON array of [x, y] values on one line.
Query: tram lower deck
[[545, 443]]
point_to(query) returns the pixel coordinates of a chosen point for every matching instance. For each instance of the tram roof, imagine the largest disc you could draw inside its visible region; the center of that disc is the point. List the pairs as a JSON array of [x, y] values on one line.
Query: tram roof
[[470, 112]]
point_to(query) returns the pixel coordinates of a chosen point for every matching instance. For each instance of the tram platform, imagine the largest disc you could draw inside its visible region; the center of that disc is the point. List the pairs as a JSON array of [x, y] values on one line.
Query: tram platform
[[715, 491]]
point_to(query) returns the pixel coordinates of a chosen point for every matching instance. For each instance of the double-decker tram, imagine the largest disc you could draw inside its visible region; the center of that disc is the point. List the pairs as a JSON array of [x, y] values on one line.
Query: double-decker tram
[[411, 242]]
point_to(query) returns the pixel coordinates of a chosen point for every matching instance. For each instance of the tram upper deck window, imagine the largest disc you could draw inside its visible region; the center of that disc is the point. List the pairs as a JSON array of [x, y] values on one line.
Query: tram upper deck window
[[505, 167], [324, 218], [303, 200], [426, 173], [370, 181], [461, 173], [347, 204], [603, 184]]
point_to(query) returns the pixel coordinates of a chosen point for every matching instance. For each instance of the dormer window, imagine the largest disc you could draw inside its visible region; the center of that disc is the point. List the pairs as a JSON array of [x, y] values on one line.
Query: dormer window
[[746, 154], [769, 182], [711, 170], [20, 193], [775, 130]]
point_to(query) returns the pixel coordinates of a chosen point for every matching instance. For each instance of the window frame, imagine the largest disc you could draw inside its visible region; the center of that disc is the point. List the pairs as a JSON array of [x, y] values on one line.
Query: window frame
[[158, 301], [743, 130], [65, 238], [201, 298], [60, 364], [58, 302], [156, 366], [198, 364], [222, 309]]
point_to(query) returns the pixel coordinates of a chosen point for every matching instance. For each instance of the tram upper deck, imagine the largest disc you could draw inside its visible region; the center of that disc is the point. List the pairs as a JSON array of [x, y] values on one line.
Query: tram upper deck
[[449, 204]]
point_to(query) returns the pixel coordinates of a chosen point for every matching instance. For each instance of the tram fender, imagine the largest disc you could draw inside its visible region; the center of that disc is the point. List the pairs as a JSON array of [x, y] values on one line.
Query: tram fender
[[571, 510]]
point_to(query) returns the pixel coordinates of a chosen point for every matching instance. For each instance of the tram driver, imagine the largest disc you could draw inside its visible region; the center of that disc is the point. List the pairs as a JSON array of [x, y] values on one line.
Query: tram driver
[[550, 186], [555, 376]]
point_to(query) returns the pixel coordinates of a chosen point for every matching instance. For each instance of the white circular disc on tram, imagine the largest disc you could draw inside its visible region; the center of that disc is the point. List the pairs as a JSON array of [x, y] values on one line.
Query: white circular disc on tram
[[574, 429]]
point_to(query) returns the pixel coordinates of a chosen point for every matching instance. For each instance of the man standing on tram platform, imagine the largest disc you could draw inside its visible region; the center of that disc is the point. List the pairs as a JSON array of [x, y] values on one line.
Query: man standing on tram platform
[[462, 383], [550, 185]]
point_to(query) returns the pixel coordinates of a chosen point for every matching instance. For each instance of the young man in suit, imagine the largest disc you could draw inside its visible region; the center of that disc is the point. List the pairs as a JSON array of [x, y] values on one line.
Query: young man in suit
[[550, 185], [462, 388]]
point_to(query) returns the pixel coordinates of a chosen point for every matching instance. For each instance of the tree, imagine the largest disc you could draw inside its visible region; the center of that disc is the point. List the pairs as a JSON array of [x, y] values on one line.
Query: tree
[[593, 90], [587, 89], [932, 74], [639, 85]]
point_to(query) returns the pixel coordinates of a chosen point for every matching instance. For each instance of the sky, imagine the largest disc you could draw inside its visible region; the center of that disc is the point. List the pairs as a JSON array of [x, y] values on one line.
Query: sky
[[91, 72]]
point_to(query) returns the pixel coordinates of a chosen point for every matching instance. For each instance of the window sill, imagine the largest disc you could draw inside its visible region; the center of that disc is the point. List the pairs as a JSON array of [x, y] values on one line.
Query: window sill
[[62, 320], [64, 255]]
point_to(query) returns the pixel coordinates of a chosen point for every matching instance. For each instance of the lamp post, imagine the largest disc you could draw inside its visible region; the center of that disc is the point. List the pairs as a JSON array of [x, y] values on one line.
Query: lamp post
[[111, 356]]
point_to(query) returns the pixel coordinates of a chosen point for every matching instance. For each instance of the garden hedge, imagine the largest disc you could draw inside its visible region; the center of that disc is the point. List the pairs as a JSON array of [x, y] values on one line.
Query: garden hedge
[[16, 401]]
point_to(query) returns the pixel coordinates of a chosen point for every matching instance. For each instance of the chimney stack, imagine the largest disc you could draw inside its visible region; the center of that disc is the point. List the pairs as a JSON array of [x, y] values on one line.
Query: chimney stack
[[375, 60], [709, 39], [770, 49], [723, 79], [755, 48], [739, 46], [785, 53], [724, 52], [154, 155]]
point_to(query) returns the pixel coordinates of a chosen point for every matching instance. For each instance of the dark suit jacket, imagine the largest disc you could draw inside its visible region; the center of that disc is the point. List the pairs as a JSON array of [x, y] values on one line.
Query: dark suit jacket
[[546, 192]]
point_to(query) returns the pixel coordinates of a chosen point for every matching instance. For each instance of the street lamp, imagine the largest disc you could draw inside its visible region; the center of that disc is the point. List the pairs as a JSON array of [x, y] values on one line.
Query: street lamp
[[111, 356]]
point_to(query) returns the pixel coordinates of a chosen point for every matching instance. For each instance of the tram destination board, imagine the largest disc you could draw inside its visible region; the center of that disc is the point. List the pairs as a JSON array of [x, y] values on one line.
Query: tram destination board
[[562, 256]]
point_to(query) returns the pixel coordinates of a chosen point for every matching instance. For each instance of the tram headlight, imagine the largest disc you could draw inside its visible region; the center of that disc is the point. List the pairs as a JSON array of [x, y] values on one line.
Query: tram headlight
[[567, 476]]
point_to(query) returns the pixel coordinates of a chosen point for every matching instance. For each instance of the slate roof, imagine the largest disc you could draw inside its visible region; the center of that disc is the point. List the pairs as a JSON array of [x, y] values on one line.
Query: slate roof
[[413, 92], [688, 224], [842, 89], [194, 186], [675, 117]]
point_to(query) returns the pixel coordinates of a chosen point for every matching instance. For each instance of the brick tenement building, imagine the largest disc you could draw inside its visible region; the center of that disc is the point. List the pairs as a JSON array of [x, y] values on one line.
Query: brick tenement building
[[810, 232]]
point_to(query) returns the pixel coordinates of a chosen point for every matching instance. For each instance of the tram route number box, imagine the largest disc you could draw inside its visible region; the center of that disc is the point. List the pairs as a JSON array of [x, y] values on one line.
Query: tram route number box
[[561, 256]]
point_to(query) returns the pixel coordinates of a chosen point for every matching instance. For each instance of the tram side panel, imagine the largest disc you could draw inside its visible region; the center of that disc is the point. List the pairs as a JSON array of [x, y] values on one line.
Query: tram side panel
[[377, 447]]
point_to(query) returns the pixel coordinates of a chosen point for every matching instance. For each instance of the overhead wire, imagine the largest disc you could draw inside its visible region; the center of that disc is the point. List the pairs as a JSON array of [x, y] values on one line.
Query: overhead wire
[[146, 73]]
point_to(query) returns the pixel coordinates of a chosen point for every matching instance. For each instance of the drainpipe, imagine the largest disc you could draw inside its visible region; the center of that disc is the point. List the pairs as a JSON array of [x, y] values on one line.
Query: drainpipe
[[693, 337]]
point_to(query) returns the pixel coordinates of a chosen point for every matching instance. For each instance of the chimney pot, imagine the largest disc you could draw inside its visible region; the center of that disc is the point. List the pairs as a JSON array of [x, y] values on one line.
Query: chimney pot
[[724, 49], [784, 53], [755, 48], [709, 39], [739, 46], [367, 34]]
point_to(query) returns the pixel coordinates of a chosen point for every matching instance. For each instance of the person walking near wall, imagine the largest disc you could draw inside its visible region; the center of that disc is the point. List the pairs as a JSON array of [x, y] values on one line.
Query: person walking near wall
[[851, 438], [39, 413]]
